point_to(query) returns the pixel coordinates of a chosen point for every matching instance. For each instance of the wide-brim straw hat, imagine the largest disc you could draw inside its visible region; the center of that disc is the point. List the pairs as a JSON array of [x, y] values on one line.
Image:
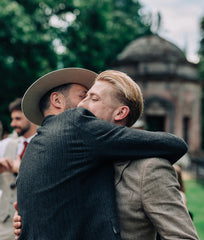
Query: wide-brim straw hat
[[31, 98]]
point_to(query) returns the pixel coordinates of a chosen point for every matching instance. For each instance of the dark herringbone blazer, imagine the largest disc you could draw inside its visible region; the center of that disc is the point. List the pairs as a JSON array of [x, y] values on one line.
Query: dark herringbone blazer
[[65, 183]]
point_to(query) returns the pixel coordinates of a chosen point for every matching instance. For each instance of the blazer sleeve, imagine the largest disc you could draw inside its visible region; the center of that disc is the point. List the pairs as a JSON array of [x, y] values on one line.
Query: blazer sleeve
[[163, 203], [121, 143]]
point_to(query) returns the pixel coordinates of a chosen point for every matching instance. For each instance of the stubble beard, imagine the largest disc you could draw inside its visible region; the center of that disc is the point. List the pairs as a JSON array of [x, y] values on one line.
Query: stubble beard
[[24, 130], [69, 104]]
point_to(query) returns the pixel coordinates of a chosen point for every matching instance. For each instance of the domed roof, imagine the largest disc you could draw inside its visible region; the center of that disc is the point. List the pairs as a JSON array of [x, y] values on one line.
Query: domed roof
[[151, 48]]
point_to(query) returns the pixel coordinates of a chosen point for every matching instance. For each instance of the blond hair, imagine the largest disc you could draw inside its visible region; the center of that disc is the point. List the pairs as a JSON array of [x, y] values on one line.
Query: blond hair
[[128, 93]]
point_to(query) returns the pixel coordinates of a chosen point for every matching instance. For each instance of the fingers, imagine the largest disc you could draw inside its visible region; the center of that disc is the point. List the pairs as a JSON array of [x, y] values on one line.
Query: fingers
[[2, 169], [18, 158], [16, 164], [17, 233], [16, 225], [16, 222], [10, 163], [16, 219], [16, 237], [15, 206], [4, 163]]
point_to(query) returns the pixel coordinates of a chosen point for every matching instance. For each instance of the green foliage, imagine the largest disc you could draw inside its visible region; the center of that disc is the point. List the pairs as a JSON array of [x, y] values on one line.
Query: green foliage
[[25, 45], [39, 36], [100, 31], [194, 196]]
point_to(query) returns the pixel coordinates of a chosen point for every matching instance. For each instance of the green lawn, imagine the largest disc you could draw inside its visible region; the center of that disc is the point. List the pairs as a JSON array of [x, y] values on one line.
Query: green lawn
[[195, 202]]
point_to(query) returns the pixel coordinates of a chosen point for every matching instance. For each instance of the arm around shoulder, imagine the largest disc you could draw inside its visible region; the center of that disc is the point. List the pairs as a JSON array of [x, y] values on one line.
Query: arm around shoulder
[[121, 143]]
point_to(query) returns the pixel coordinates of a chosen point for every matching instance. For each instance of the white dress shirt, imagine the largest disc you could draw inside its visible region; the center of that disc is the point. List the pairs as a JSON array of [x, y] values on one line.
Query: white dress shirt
[[21, 144], [4, 142]]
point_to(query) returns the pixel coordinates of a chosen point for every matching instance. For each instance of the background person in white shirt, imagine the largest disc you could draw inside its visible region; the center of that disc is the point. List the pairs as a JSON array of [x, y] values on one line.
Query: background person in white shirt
[[10, 151]]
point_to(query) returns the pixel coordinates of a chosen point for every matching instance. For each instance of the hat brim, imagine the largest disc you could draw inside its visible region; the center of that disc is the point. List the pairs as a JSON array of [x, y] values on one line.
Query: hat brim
[[31, 98]]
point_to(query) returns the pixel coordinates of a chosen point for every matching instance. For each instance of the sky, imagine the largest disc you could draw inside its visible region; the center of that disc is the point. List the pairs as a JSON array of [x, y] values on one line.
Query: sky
[[180, 22]]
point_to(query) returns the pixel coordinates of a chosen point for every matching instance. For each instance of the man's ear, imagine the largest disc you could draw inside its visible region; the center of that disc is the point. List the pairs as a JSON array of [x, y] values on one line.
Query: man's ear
[[57, 100], [121, 113]]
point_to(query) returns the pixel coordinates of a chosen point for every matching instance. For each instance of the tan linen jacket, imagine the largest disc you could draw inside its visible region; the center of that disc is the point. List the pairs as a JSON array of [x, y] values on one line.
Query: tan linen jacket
[[8, 195], [149, 201]]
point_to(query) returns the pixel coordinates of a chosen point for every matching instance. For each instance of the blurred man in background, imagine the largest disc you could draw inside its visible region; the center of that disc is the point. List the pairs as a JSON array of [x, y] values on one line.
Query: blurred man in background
[[11, 152]]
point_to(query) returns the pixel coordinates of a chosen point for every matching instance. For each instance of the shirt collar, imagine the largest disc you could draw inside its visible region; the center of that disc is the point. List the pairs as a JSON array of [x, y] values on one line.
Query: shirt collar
[[23, 139]]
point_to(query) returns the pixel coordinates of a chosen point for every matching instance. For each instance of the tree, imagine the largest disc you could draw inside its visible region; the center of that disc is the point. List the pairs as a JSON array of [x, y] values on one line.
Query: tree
[[25, 45], [100, 31], [39, 36]]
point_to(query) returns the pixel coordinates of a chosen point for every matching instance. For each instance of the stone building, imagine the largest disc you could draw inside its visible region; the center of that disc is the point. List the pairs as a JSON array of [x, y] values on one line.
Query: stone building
[[170, 86]]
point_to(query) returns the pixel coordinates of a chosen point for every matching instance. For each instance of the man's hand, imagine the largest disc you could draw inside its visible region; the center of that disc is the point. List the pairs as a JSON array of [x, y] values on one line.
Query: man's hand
[[5, 164], [16, 164], [8, 165], [16, 222]]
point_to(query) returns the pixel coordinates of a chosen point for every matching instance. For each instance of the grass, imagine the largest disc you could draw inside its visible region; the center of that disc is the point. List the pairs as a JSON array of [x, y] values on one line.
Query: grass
[[195, 202]]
